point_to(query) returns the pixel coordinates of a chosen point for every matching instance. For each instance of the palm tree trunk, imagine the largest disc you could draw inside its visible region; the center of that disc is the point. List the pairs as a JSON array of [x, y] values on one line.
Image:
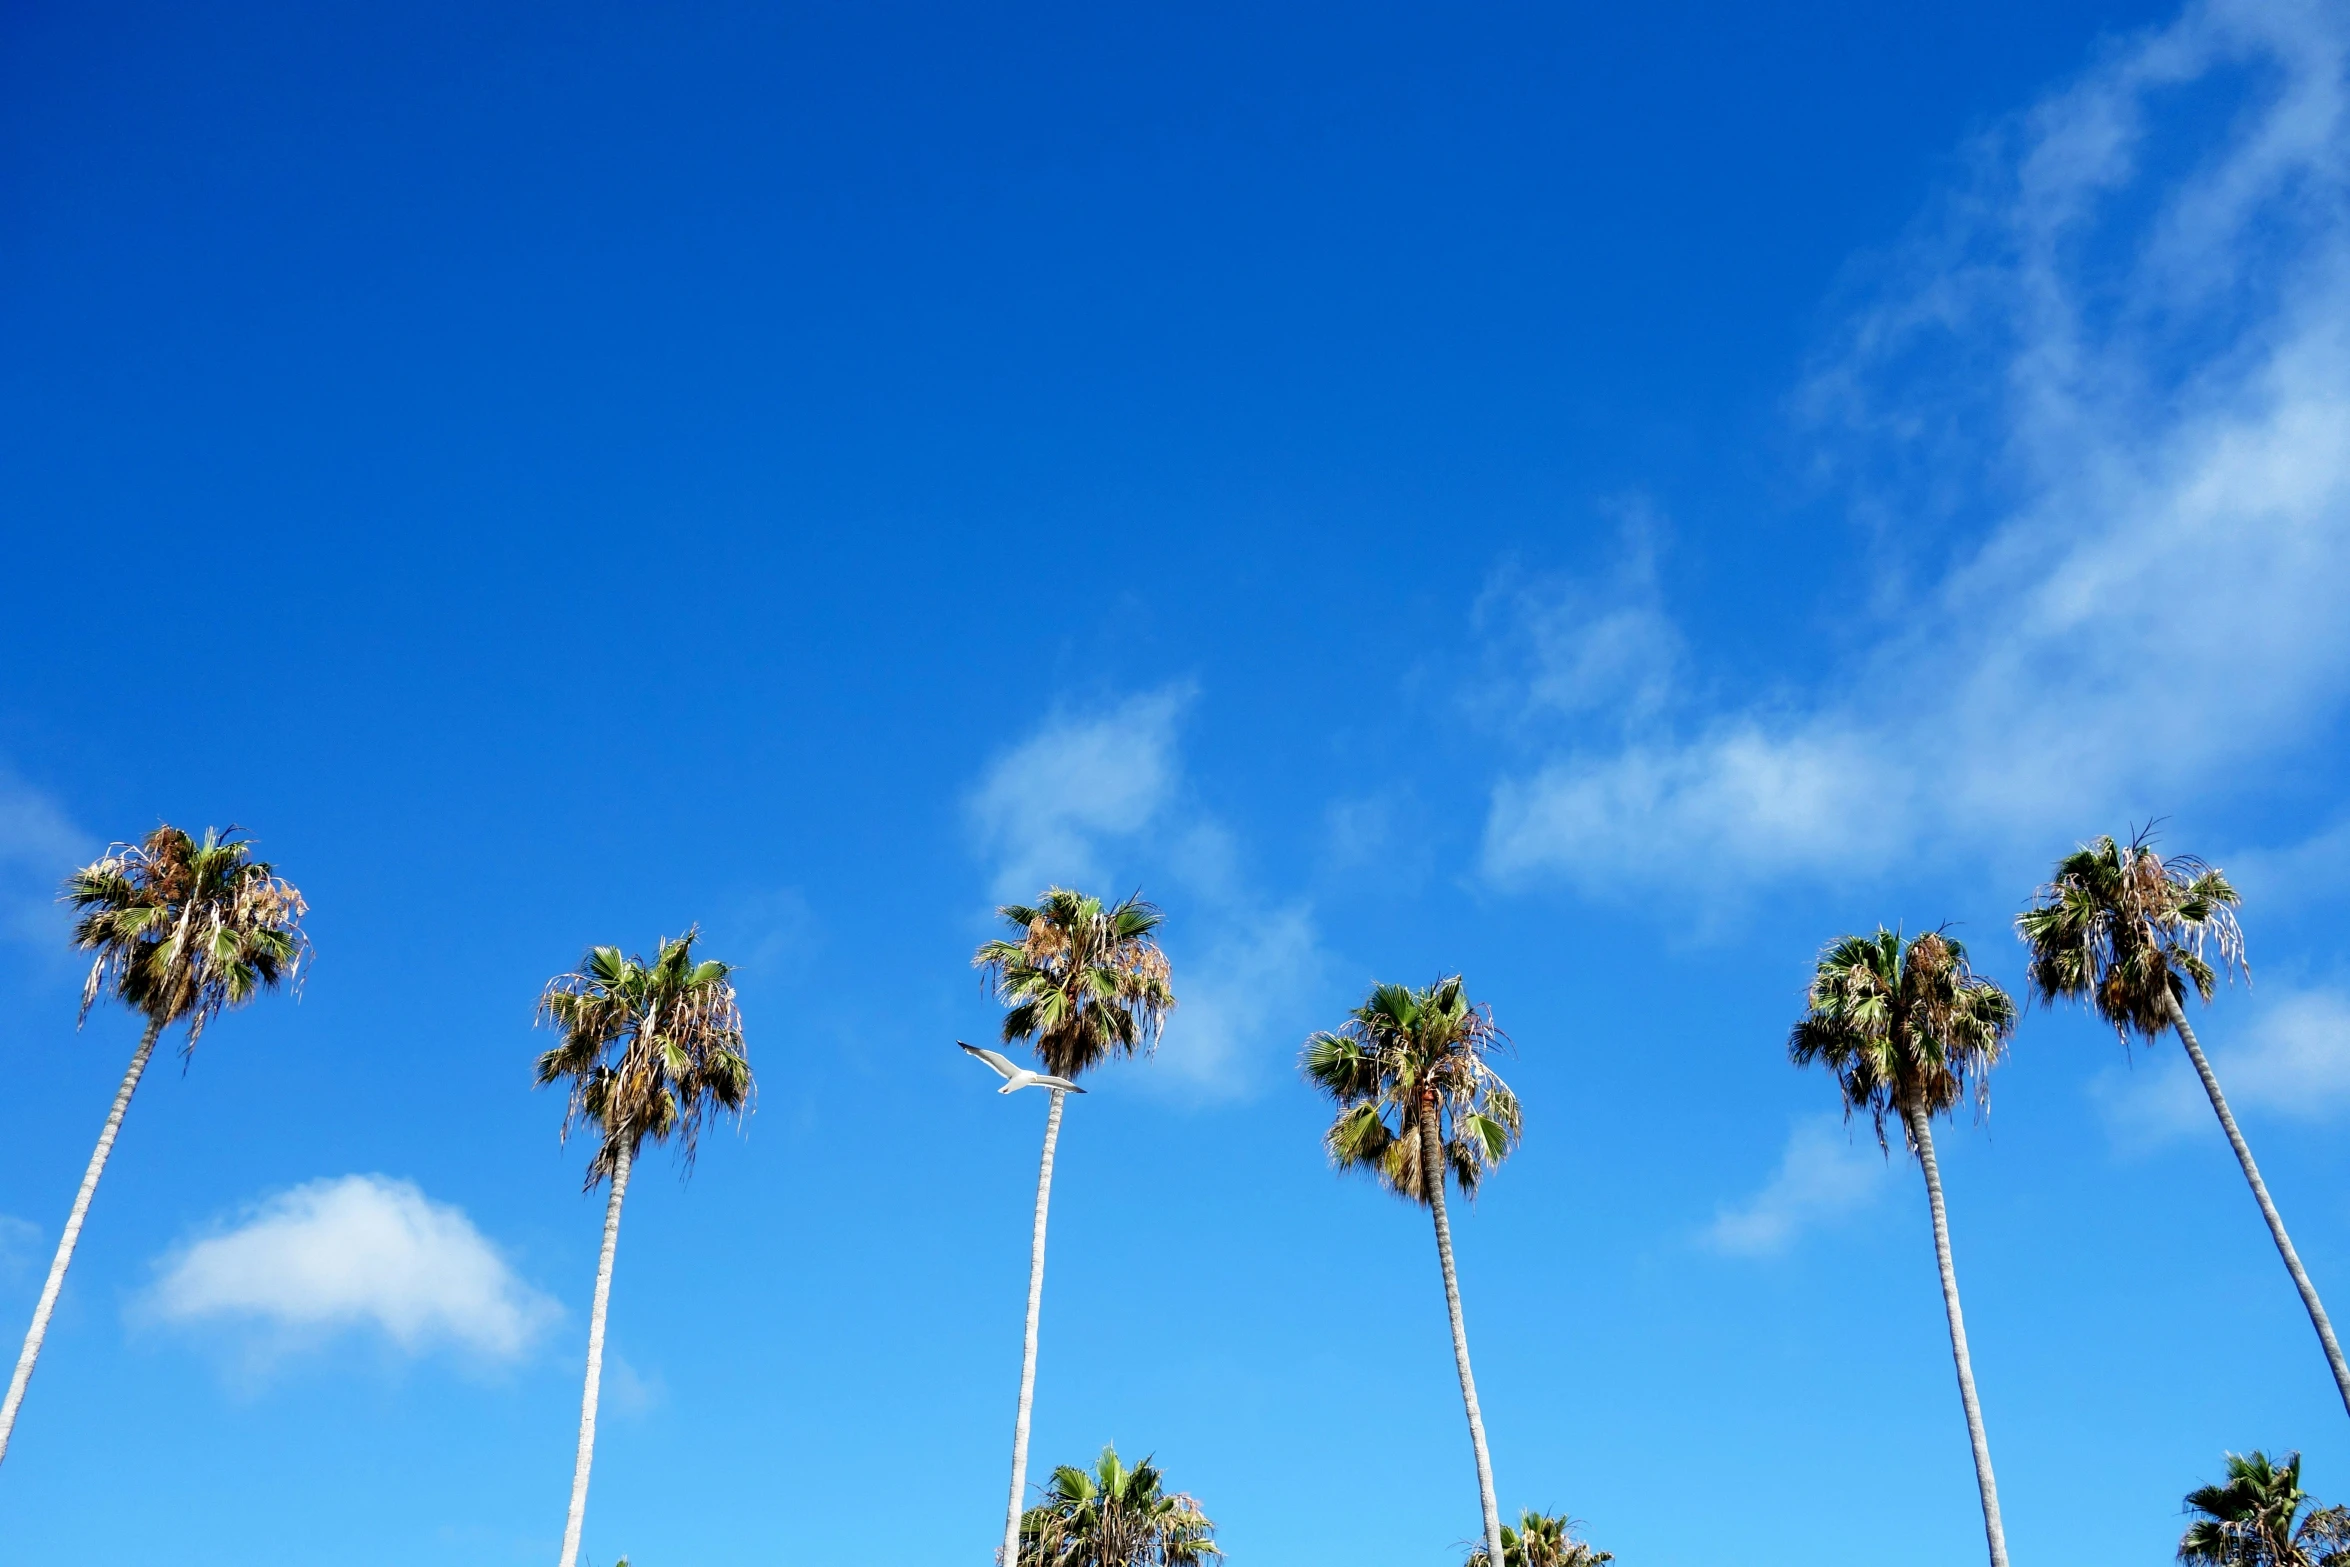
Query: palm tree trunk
[[1010, 1555], [2268, 1209], [73, 1233], [1432, 1172], [1921, 1133], [595, 1363]]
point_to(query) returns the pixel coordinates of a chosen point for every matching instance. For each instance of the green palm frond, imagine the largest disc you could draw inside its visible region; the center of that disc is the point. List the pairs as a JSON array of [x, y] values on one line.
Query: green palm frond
[[2255, 1518], [1540, 1540], [647, 1050], [1082, 982], [1903, 1025], [2128, 931], [1115, 1515], [186, 929], [1403, 1049]]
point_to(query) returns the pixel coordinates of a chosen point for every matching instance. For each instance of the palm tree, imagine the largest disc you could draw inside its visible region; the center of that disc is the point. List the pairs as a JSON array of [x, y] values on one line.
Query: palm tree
[[1082, 983], [183, 931], [648, 1050], [1416, 1098], [1909, 1029], [1113, 1516], [2249, 1521], [2126, 930], [1540, 1540]]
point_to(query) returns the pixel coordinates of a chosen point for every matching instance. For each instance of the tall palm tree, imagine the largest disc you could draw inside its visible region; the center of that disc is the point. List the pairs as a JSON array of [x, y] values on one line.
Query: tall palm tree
[[1115, 1516], [649, 1050], [1909, 1030], [183, 931], [1540, 1540], [1081, 982], [2126, 930], [2250, 1520], [1416, 1098]]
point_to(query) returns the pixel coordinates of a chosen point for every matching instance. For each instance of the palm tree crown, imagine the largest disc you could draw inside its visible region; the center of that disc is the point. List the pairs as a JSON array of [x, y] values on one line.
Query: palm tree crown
[[649, 1049], [2127, 929], [2249, 1521], [1115, 1516], [1907, 1027], [1540, 1540], [1403, 1050], [184, 930], [1083, 981]]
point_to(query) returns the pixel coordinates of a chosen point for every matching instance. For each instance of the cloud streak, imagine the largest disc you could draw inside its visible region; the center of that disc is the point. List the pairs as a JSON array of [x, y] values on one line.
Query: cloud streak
[[2290, 1060], [1825, 1174], [2126, 380], [1090, 796], [357, 1252]]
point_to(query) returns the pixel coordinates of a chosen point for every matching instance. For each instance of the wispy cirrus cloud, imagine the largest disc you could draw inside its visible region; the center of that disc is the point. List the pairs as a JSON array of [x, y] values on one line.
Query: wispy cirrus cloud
[[2114, 366], [2286, 1056], [359, 1252], [1049, 807], [1826, 1174], [1096, 799], [39, 845]]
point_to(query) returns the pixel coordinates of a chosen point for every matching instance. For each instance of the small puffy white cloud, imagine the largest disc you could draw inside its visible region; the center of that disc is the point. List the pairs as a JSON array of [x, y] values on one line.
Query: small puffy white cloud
[[1827, 1172], [358, 1251], [2291, 1060], [1044, 809], [2101, 402]]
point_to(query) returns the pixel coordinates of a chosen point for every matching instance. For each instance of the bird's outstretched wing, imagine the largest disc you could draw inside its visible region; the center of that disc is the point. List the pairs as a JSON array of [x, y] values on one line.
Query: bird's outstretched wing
[[1057, 1082], [1002, 1064]]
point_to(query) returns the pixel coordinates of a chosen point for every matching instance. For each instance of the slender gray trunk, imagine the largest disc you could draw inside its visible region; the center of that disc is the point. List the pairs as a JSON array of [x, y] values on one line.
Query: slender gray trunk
[[1921, 1133], [73, 1234], [1432, 1173], [1010, 1555], [595, 1364], [2268, 1209]]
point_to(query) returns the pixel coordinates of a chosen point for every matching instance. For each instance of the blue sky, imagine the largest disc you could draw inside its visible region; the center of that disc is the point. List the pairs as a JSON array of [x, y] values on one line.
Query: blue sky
[[1598, 499]]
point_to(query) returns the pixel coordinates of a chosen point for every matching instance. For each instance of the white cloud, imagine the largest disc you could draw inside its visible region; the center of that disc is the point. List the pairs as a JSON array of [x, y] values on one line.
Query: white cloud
[[1044, 809], [2125, 374], [1827, 1172], [2291, 1059], [39, 846], [20, 1247], [1057, 806], [1247, 987], [359, 1251]]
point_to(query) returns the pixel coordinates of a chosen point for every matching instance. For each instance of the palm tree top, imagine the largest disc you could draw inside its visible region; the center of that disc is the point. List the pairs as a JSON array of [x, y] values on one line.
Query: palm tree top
[[1404, 1049], [1906, 1025], [1115, 1515], [1540, 1540], [2127, 930], [185, 929], [1081, 981], [2250, 1520], [647, 1049]]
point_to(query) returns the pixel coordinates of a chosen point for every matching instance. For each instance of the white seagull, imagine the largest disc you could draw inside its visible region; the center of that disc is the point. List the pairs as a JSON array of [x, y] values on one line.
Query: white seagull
[[1017, 1076]]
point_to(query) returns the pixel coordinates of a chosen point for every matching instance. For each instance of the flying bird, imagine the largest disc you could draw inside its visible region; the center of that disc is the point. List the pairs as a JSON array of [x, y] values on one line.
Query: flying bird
[[1017, 1076]]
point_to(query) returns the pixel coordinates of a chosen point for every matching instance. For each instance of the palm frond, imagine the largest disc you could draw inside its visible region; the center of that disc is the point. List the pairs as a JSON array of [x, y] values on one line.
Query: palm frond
[[648, 1051], [183, 929], [1401, 1051], [1080, 982]]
